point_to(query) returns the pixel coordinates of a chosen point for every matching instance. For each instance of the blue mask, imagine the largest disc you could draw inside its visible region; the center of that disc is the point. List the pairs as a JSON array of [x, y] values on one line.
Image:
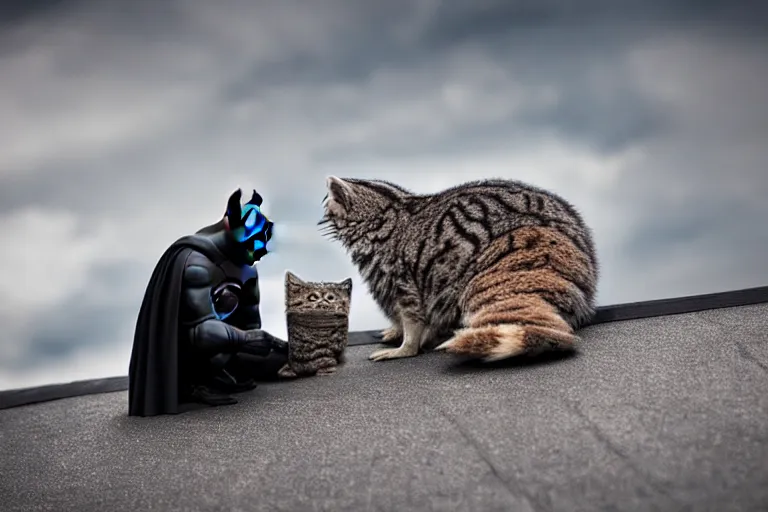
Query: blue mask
[[249, 226]]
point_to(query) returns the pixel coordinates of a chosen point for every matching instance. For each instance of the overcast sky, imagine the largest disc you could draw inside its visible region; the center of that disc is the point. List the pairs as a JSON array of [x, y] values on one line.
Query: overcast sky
[[124, 125]]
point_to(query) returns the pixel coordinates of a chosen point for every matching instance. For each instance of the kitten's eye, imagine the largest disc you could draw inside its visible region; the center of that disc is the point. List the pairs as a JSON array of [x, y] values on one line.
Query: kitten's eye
[[314, 297], [330, 297]]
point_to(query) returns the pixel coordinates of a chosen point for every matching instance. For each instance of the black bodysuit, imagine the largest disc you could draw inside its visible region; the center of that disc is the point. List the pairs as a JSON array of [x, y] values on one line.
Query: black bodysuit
[[200, 310]]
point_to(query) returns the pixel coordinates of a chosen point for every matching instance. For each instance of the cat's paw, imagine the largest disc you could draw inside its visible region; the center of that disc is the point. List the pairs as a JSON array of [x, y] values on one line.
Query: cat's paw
[[287, 372], [391, 353], [328, 370], [391, 334]]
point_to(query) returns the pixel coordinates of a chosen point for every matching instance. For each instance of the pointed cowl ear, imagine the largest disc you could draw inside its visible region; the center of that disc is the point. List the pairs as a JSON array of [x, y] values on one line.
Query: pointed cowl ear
[[234, 209], [256, 199]]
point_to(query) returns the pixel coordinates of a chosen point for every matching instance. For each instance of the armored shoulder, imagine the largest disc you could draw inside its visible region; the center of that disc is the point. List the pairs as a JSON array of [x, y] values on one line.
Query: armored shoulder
[[198, 271]]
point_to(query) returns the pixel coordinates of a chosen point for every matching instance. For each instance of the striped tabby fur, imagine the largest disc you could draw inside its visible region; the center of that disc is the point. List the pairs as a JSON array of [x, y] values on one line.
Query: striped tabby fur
[[317, 316], [510, 267]]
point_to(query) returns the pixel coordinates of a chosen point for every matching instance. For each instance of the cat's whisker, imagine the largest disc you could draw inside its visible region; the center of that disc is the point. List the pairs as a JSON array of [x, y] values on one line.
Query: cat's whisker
[[327, 229]]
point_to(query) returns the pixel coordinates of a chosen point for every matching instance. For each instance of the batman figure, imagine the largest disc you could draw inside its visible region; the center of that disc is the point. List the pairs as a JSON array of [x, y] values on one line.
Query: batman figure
[[200, 317]]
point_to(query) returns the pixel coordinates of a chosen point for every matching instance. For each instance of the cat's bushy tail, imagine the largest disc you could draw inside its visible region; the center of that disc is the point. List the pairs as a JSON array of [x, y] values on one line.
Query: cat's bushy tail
[[532, 289]]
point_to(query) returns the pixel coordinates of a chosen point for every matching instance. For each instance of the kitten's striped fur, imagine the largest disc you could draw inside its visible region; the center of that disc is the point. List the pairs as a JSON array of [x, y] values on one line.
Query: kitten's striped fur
[[317, 316], [511, 266]]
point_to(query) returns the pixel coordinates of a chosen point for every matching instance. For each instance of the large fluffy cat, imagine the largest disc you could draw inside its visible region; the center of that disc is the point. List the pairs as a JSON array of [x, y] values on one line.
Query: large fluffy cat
[[512, 264], [317, 316]]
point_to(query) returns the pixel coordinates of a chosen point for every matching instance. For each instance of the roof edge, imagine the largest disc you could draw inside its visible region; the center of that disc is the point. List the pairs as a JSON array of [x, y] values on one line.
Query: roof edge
[[605, 314], [680, 305]]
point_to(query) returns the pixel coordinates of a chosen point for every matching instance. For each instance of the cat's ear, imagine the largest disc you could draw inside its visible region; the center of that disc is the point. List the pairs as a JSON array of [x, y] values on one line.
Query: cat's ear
[[292, 279], [347, 284], [338, 190]]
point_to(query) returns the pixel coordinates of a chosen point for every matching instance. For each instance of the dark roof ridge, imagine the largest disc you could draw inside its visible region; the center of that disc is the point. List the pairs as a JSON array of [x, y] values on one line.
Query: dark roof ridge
[[605, 314]]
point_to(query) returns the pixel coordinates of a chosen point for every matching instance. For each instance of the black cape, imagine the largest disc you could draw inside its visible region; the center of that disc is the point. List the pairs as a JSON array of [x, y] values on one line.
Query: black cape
[[155, 370]]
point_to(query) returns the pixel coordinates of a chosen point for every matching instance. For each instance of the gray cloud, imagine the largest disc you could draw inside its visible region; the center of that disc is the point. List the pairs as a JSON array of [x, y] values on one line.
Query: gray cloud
[[138, 122], [86, 318], [596, 104]]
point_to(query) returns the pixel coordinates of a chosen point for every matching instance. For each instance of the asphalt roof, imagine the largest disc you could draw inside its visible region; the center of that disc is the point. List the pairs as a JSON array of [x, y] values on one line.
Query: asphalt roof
[[660, 413]]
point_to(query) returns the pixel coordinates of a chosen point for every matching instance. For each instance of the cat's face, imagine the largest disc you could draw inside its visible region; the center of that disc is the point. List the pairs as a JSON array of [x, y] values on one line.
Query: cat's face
[[317, 297]]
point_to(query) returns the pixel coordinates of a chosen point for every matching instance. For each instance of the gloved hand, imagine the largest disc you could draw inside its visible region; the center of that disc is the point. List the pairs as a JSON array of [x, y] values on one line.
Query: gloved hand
[[257, 342], [261, 337], [278, 345]]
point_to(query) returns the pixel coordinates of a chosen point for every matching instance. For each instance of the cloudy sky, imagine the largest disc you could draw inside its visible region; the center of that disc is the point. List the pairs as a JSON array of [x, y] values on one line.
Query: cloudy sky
[[125, 125]]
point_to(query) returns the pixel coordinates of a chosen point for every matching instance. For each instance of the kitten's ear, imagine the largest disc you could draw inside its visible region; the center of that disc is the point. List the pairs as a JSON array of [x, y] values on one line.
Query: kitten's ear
[[347, 284], [338, 190], [291, 278]]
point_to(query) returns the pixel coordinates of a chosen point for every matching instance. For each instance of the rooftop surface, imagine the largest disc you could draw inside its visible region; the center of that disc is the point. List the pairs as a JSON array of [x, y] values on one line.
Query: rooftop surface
[[662, 413]]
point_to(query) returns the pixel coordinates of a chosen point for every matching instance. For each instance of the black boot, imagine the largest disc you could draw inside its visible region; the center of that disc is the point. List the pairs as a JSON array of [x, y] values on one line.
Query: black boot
[[224, 381], [203, 395]]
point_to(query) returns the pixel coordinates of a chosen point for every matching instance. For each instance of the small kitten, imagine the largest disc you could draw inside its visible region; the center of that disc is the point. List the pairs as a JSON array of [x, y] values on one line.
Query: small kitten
[[317, 316], [510, 267]]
